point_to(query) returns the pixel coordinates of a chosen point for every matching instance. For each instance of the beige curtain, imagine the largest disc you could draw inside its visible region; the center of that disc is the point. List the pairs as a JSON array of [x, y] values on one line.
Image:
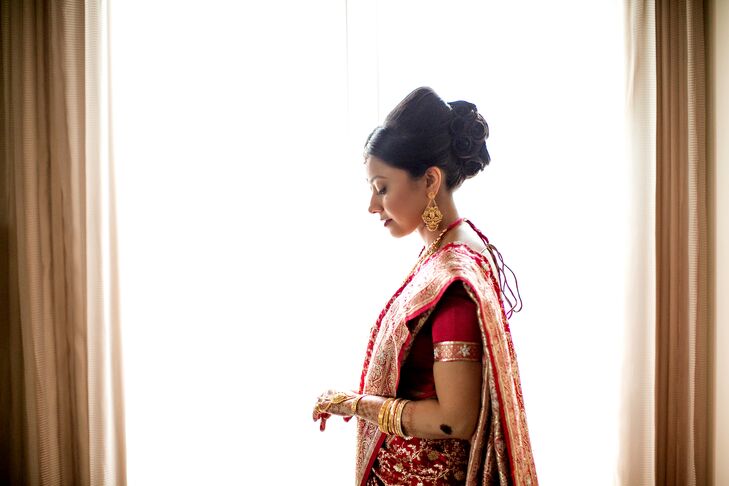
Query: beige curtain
[[666, 433], [636, 461], [61, 420], [683, 410], [717, 96]]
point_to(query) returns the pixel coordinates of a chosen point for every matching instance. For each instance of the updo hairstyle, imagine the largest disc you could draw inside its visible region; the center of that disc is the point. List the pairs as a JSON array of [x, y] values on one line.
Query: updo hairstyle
[[423, 131]]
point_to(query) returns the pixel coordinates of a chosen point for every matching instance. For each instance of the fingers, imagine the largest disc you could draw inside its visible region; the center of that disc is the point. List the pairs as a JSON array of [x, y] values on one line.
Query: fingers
[[323, 420], [331, 402]]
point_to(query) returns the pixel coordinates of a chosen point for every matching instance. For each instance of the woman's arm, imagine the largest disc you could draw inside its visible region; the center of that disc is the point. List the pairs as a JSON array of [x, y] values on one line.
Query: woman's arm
[[455, 412], [456, 376], [453, 415]]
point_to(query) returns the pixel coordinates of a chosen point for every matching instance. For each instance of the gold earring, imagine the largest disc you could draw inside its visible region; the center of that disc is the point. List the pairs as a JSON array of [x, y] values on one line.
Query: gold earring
[[432, 215]]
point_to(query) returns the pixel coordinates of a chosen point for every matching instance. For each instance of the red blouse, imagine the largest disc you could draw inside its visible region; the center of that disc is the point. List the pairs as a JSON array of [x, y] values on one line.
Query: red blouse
[[451, 333]]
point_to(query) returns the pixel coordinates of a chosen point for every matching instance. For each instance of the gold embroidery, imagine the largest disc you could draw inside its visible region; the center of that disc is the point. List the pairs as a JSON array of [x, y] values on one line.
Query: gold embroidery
[[420, 461], [457, 351], [387, 341]]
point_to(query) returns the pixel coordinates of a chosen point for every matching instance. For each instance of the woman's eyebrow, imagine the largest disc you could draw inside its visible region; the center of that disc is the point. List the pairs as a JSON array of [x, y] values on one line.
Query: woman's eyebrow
[[376, 177]]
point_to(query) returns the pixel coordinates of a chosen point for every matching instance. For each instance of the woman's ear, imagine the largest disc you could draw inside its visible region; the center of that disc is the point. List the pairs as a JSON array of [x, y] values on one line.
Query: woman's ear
[[433, 179]]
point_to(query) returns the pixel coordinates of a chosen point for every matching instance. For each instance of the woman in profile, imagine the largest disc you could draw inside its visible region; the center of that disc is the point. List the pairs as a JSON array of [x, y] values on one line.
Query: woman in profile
[[439, 400]]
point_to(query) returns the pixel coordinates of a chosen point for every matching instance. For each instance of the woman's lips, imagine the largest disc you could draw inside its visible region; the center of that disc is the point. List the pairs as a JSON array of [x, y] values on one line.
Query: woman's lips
[[387, 221]]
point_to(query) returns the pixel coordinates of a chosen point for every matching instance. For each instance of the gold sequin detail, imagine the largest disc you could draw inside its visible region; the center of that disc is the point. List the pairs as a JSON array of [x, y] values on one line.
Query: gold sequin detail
[[457, 351]]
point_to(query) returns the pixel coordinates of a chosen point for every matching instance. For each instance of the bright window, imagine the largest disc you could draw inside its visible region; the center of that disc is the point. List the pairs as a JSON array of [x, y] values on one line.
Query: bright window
[[251, 271]]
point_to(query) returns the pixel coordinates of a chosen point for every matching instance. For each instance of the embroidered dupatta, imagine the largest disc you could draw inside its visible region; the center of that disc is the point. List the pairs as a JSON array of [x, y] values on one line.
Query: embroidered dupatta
[[500, 447]]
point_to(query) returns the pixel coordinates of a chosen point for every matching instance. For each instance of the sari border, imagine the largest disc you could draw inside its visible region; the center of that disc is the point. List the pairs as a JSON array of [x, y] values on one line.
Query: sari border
[[407, 346], [447, 351], [497, 388], [456, 268], [371, 461]]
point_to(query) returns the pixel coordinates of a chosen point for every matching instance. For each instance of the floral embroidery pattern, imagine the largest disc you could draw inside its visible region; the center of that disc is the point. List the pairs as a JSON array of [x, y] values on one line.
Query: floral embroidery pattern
[[420, 462], [501, 435], [457, 351]]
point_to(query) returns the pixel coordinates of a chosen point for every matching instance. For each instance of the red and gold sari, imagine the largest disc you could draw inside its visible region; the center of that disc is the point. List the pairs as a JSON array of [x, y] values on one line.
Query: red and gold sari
[[500, 451]]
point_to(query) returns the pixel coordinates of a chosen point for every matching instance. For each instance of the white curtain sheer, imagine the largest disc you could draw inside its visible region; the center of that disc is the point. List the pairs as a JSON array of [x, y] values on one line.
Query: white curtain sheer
[[637, 426], [107, 463], [251, 271]]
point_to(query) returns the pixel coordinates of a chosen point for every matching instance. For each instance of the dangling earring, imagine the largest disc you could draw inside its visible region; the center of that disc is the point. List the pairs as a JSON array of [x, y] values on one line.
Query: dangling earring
[[432, 215]]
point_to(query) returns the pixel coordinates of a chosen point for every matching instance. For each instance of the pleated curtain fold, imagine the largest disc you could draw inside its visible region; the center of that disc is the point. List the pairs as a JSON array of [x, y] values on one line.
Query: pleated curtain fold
[[682, 399], [61, 409], [59, 374]]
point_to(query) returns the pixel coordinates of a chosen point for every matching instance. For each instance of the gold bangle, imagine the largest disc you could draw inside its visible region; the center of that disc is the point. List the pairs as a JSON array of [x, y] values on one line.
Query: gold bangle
[[400, 430], [386, 418], [354, 404], [396, 416], [391, 416], [381, 415]]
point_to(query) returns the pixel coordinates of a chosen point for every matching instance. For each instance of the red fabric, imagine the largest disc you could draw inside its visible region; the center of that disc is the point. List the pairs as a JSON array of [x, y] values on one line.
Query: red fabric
[[420, 462], [500, 449], [453, 319]]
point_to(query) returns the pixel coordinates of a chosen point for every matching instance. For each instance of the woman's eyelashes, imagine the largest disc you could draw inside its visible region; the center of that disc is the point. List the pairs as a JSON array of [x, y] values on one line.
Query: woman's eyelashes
[[381, 191]]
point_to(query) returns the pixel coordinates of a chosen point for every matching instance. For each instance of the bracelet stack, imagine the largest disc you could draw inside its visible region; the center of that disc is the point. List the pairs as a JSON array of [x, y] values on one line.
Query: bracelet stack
[[390, 417]]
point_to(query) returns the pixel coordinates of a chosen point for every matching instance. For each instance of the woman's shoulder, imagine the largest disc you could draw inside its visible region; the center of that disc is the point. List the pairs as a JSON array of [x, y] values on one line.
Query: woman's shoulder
[[464, 245], [460, 256], [459, 261], [454, 316]]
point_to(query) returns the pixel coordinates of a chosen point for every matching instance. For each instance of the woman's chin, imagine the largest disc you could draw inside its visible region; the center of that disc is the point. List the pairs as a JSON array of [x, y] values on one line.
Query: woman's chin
[[394, 230], [397, 231]]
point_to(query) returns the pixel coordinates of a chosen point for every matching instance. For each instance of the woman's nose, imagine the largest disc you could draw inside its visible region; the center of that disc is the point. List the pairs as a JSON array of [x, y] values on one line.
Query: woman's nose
[[374, 205]]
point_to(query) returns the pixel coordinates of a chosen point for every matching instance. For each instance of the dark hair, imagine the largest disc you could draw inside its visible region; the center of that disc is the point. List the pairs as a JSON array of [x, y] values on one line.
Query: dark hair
[[423, 131]]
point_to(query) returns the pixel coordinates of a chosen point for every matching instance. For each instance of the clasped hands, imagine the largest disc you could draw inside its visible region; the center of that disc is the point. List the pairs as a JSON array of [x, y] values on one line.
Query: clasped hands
[[334, 402]]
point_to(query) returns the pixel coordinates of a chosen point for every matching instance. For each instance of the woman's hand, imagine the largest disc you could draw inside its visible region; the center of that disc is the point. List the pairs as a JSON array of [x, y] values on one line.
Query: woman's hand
[[330, 403]]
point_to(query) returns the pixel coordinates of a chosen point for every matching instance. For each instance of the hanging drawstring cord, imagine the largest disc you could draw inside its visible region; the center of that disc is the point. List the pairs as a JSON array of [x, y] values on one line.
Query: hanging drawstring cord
[[500, 270]]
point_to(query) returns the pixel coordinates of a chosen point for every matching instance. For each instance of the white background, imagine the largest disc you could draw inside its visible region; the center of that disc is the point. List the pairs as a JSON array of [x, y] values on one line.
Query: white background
[[251, 270]]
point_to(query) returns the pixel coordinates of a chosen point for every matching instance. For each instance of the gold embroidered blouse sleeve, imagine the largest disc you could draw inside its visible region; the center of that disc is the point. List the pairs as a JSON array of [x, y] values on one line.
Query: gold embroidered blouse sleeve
[[457, 351]]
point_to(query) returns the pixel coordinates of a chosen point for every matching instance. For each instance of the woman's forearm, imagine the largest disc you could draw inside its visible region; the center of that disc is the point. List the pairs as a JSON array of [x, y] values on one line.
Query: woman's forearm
[[426, 419], [369, 407]]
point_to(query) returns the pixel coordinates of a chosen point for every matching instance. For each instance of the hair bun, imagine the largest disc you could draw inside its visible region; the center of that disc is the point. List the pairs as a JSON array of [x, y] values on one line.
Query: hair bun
[[469, 132]]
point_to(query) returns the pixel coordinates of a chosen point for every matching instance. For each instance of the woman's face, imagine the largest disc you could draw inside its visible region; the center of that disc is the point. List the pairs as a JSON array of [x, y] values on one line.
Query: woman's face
[[398, 199]]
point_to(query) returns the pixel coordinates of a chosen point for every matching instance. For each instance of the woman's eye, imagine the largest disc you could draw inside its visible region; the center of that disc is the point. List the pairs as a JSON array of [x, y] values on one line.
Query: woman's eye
[[382, 191]]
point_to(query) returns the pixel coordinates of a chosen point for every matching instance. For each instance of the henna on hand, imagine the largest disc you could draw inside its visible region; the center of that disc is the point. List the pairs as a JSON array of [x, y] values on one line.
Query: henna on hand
[[369, 407], [329, 404]]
